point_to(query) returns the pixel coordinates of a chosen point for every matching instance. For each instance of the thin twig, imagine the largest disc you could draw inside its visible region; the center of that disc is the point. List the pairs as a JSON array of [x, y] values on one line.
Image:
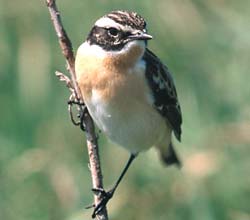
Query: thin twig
[[89, 128]]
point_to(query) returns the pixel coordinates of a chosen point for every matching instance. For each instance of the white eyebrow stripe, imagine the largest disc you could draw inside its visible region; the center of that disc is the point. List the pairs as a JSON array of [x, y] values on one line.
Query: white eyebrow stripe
[[108, 22]]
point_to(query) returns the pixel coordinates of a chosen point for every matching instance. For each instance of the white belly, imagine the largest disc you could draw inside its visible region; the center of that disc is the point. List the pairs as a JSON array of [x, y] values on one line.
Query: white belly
[[133, 124]]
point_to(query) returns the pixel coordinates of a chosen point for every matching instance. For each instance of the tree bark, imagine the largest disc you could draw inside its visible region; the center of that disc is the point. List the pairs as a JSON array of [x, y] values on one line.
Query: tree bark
[[92, 143]]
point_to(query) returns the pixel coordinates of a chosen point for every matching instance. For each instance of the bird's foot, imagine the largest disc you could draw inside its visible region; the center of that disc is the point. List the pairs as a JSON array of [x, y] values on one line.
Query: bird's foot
[[104, 197], [81, 111]]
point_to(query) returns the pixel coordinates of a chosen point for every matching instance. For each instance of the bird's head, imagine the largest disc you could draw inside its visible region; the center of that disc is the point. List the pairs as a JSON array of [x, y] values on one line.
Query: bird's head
[[119, 32]]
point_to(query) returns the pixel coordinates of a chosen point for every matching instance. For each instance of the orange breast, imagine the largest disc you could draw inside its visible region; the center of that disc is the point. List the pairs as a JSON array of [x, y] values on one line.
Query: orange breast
[[113, 77]]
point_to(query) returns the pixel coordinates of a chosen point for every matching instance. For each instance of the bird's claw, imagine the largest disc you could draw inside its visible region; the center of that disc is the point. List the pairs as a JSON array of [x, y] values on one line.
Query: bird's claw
[[90, 206], [81, 108], [104, 197]]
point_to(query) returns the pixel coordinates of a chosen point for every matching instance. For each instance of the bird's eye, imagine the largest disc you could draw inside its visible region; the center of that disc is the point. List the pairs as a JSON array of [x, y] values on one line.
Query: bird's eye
[[113, 31]]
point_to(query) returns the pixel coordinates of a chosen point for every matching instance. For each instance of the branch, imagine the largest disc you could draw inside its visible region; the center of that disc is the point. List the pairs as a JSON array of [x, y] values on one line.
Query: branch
[[88, 126]]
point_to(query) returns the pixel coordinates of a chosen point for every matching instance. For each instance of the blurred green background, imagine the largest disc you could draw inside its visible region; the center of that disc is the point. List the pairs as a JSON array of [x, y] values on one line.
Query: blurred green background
[[43, 158]]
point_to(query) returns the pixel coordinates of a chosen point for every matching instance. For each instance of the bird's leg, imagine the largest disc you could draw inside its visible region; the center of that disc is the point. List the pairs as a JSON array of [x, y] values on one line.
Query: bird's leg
[[106, 196], [81, 108]]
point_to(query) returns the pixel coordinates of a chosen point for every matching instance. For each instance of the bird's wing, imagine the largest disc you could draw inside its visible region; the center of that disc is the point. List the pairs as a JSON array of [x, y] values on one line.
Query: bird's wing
[[163, 89]]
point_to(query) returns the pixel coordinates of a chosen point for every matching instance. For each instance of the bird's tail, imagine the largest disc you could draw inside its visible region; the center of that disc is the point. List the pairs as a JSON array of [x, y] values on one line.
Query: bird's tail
[[169, 156]]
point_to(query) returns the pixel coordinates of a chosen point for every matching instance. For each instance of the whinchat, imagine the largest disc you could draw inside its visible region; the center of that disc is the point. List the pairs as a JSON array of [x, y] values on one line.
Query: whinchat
[[128, 91]]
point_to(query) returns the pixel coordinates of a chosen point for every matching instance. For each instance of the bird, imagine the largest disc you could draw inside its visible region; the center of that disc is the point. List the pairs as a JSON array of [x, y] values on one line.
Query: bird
[[128, 91]]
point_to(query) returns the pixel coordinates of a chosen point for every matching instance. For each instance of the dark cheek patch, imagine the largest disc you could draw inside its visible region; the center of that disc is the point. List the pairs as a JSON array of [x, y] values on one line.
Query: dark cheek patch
[[100, 36]]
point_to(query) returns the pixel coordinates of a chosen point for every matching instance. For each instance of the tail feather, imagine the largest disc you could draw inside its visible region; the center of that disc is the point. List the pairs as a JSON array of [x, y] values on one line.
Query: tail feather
[[169, 156]]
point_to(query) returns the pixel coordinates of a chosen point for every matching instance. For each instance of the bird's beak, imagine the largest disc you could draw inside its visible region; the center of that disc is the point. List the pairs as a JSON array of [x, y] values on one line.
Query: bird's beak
[[140, 35]]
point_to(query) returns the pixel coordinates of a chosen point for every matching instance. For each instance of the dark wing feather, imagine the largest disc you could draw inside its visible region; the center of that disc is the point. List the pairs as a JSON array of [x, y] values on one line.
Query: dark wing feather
[[164, 92]]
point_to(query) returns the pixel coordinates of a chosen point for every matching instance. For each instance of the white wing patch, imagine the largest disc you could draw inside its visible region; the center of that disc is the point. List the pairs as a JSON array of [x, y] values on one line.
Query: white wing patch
[[158, 80]]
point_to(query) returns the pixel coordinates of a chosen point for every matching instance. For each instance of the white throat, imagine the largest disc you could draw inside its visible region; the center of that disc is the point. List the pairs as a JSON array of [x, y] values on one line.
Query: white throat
[[98, 51]]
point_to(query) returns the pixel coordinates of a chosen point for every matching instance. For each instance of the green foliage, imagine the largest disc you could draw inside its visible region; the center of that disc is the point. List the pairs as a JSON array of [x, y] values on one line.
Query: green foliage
[[43, 158]]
